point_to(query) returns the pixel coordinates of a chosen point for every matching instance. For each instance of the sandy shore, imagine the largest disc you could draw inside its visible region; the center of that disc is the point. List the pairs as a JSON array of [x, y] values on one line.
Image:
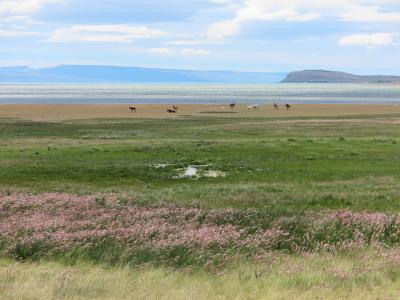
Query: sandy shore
[[60, 112]]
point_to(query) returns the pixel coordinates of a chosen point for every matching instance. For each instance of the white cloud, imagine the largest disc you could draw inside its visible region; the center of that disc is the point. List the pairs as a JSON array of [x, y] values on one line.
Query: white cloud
[[14, 33], [195, 52], [15, 14], [184, 52], [304, 11], [22, 7], [161, 51], [259, 10], [221, 1], [19, 7], [193, 42], [103, 33], [359, 13], [365, 11], [370, 40]]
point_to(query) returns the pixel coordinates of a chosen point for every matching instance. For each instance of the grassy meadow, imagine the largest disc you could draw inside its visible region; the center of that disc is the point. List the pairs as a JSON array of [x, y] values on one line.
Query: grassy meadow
[[278, 277], [280, 207]]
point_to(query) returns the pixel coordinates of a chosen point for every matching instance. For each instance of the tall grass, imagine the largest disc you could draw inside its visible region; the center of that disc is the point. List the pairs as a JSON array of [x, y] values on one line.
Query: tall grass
[[361, 276], [105, 229]]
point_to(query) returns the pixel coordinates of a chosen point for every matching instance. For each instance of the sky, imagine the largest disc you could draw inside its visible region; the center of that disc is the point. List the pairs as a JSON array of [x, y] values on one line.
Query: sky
[[358, 36]]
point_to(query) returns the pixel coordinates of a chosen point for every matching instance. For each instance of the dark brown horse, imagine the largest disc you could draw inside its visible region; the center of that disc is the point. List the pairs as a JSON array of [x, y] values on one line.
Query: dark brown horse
[[133, 109], [276, 106], [288, 106], [232, 105], [171, 111]]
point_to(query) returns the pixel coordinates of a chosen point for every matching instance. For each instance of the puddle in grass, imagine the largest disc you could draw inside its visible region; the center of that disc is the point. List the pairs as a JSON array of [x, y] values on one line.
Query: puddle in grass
[[190, 172], [215, 174], [161, 166], [193, 171]]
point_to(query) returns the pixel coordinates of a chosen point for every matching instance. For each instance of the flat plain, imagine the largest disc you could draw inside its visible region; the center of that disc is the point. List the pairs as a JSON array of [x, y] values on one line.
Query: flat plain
[[65, 112], [112, 204]]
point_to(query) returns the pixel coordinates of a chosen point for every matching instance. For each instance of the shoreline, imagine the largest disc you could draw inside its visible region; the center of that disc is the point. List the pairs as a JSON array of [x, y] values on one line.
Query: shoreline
[[63, 112]]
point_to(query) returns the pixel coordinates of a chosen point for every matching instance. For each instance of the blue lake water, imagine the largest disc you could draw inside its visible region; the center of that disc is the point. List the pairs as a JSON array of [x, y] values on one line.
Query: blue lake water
[[198, 93]]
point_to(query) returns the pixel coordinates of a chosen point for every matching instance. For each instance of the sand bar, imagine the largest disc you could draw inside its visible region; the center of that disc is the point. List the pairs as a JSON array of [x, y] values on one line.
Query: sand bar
[[62, 112]]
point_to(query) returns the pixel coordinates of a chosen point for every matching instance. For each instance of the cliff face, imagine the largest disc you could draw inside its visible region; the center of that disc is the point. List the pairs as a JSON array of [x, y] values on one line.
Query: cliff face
[[322, 76]]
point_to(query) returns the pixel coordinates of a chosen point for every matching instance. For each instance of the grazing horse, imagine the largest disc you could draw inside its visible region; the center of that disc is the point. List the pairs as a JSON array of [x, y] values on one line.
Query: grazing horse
[[171, 111], [288, 106], [276, 106], [232, 105], [132, 108]]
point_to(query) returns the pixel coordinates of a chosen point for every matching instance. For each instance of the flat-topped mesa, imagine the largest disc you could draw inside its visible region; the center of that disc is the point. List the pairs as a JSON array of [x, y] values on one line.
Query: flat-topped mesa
[[323, 76]]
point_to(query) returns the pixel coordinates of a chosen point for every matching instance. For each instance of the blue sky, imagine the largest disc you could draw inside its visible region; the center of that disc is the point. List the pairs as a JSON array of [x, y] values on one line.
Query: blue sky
[[359, 36]]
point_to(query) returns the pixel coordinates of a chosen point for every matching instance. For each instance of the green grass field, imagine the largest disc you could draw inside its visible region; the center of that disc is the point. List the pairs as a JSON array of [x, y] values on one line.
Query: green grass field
[[273, 170], [270, 164]]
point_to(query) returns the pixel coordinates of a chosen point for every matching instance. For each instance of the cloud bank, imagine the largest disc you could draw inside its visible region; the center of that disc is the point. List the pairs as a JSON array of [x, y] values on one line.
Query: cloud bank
[[103, 33]]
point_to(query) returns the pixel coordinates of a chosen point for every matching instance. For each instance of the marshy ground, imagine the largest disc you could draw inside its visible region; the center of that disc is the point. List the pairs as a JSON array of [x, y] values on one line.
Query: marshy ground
[[301, 204]]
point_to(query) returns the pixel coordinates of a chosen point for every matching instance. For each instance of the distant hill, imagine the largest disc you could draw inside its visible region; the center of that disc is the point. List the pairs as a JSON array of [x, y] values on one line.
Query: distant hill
[[111, 74], [322, 76]]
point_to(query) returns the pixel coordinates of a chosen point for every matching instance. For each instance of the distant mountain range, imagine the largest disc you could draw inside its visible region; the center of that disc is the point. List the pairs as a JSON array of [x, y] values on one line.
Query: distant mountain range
[[323, 76], [111, 74]]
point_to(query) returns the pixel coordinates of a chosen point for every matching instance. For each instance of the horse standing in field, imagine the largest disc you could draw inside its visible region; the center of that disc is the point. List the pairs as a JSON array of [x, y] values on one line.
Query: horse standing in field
[[232, 105], [175, 107], [133, 109], [276, 106], [288, 106]]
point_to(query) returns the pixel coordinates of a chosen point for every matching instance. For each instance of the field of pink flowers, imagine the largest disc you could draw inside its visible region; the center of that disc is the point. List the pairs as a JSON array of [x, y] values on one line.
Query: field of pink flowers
[[110, 230]]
